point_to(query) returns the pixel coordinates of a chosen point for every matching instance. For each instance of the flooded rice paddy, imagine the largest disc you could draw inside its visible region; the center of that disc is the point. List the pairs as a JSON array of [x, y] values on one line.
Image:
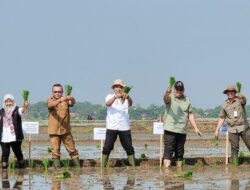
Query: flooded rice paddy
[[144, 176], [127, 178]]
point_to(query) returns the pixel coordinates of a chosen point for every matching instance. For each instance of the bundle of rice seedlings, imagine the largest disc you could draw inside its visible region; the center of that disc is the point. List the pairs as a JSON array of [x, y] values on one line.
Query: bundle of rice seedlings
[[25, 98], [171, 81], [126, 90], [66, 174], [68, 89], [185, 175], [238, 87]]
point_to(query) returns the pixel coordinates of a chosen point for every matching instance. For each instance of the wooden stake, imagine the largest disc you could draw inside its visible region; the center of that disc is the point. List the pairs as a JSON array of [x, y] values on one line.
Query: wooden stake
[[29, 148], [161, 145], [101, 152], [227, 142], [161, 152]]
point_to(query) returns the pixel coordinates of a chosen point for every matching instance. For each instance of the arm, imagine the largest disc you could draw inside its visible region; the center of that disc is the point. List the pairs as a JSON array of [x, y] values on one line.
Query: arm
[[166, 96], [71, 101], [220, 122], [193, 123], [130, 101], [25, 107], [53, 103], [110, 101], [242, 98]]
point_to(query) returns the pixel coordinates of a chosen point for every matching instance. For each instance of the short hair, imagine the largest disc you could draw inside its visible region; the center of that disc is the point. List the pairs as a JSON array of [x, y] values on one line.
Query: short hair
[[57, 85]]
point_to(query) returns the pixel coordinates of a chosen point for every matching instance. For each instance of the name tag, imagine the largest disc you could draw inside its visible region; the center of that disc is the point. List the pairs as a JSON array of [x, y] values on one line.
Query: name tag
[[235, 114]]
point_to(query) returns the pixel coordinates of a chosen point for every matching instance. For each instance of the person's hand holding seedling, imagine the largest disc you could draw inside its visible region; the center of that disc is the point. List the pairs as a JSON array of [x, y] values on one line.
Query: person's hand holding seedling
[[171, 84], [25, 100], [126, 90], [68, 97]]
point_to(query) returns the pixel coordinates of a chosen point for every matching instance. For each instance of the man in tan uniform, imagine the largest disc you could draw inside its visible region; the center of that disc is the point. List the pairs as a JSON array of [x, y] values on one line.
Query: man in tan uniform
[[233, 111], [59, 125]]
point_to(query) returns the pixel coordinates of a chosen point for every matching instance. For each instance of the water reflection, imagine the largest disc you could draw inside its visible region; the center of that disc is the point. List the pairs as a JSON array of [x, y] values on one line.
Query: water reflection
[[107, 185], [18, 181]]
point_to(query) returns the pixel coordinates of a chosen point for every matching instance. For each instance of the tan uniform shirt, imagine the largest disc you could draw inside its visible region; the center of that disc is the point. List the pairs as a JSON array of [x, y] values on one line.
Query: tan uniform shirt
[[235, 115], [59, 119]]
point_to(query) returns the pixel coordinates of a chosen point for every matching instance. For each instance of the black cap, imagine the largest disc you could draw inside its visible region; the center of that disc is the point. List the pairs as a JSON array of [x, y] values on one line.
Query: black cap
[[179, 85]]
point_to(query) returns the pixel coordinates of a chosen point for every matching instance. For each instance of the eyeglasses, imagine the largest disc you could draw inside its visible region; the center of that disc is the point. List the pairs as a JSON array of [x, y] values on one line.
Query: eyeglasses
[[55, 92]]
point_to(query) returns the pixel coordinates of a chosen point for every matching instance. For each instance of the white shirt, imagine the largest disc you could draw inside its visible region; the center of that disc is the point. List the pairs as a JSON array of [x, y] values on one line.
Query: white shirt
[[117, 115], [6, 135]]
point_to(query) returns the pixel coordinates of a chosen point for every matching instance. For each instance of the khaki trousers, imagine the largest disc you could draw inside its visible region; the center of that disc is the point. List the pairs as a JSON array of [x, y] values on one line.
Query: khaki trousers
[[68, 142]]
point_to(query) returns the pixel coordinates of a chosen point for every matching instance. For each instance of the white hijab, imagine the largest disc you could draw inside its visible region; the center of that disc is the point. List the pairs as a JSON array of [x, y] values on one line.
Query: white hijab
[[11, 97]]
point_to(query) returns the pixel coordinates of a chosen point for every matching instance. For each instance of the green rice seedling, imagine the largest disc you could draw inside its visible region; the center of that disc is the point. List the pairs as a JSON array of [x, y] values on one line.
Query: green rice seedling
[[68, 89], [49, 150], [143, 156], [45, 162], [66, 164], [126, 90], [12, 164], [65, 175], [184, 162], [171, 81], [31, 163], [90, 130], [214, 142], [98, 146], [242, 155], [185, 175], [238, 87], [146, 146], [25, 95]]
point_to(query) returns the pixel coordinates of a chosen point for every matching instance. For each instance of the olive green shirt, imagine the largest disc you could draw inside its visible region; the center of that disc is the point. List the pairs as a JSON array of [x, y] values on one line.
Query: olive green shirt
[[176, 114], [235, 115]]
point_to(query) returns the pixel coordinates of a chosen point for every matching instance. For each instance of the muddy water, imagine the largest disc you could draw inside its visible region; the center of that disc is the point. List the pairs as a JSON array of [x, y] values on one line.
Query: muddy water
[[217, 177]]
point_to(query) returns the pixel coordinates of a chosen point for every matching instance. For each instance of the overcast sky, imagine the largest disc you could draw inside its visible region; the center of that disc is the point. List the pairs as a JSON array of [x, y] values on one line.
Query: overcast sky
[[90, 43]]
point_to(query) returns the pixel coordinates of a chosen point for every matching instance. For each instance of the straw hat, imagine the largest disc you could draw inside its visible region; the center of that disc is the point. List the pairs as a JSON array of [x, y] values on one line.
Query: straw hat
[[118, 82], [230, 88]]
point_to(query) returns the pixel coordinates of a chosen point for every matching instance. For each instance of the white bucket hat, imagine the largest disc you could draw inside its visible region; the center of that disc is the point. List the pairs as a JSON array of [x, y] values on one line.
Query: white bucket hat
[[118, 82]]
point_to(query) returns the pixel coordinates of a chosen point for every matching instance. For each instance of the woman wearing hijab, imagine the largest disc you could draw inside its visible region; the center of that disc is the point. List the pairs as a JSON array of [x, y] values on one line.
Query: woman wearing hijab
[[11, 134]]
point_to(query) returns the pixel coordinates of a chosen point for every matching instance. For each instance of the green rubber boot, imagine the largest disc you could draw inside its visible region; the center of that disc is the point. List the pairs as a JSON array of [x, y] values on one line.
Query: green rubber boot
[[179, 164], [131, 160], [105, 159], [235, 160], [76, 162], [56, 163]]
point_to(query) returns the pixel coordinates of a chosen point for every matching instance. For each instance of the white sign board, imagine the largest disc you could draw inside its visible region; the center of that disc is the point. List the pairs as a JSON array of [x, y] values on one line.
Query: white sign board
[[30, 127], [158, 128], [99, 133], [223, 129]]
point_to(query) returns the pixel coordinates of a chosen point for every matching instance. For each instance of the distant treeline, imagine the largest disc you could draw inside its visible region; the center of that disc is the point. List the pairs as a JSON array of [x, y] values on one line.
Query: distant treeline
[[83, 110]]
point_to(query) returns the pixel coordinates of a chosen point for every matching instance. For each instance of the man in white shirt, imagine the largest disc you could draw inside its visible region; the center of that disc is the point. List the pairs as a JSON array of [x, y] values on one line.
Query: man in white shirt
[[117, 122]]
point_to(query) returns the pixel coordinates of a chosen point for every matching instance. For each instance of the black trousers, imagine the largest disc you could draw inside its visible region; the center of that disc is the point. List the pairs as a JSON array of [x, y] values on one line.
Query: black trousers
[[174, 145], [16, 147], [125, 139]]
